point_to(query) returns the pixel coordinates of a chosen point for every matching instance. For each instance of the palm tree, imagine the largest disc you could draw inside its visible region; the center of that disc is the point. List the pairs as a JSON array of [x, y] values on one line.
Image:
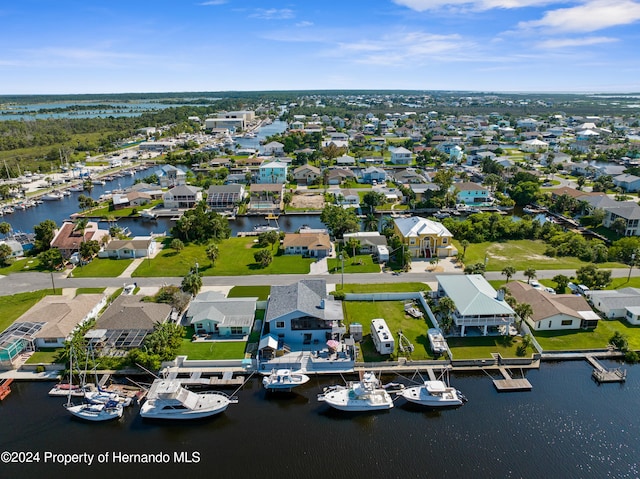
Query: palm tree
[[509, 271], [81, 226], [530, 273], [192, 283], [371, 223], [446, 307], [465, 245], [212, 252], [524, 311]]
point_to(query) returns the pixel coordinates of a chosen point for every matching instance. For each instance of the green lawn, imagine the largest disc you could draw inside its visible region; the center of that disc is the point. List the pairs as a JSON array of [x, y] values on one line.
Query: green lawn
[[14, 306], [385, 288], [521, 254], [597, 338], [362, 263], [102, 268], [393, 313], [260, 292], [482, 347], [24, 264], [44, 355], [89, 291], [210, 350], [236, 259]]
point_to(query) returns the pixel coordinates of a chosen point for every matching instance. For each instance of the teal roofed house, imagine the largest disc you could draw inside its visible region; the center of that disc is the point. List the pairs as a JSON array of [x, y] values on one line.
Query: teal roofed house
[[480, 308]]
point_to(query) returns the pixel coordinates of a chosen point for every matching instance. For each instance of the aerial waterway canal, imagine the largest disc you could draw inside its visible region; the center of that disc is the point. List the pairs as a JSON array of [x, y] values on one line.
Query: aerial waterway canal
[[566, 427]]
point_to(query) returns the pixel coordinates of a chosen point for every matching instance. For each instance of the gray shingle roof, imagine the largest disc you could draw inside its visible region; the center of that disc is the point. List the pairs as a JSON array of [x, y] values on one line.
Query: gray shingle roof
[[304, 297]]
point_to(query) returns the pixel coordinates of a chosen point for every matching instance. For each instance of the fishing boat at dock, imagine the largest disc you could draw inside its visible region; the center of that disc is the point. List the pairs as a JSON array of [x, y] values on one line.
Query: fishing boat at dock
[[367, 394], [168, 399], [433, 394]]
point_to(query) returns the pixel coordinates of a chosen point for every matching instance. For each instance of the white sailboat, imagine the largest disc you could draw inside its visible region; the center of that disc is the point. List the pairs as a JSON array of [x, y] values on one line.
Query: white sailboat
[[92, 412]]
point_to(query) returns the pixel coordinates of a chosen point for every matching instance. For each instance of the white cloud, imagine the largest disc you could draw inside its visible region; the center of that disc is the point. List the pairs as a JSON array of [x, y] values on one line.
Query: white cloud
[[589, 17], [212, 2], [574, 42], [408, 49], [273, 13], [304, 24], [424, 5]]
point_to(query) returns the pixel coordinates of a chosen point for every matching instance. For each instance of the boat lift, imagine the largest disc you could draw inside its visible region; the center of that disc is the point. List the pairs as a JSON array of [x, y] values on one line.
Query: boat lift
[[404, 345]]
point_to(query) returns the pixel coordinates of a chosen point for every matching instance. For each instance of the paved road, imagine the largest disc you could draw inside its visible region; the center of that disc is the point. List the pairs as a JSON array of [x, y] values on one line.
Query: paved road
[[22, 282]]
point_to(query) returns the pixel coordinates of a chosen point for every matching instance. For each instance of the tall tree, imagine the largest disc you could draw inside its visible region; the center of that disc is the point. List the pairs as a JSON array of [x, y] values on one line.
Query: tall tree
[[508, 271], [192, 283], [530, 274], [212, 252], [561, 283], [44, 234], [5, 228]]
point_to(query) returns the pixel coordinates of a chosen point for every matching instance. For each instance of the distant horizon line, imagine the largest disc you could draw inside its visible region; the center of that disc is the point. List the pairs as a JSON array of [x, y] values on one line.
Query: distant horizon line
[[369, 90]]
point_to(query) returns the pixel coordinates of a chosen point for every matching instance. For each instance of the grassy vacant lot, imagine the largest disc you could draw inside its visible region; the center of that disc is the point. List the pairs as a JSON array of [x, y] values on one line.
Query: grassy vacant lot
[[393, 313], [105, 210], [14, 306], [24, 264], [102, 268], [482, 347], [362, 263], [201, 350], [260, 292], [521, 254], [236, 258], [589, 339], [385, 288]]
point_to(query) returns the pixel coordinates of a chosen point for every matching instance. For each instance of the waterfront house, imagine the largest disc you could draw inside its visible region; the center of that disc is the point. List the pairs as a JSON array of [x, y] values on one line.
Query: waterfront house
[[469, 193], [184, 196], [307, 244], [345, 160], [211, 313], [272, 172], [16, 247], [128, 320], [424, 238], [225, 197], [553, 312], [69, 237], [61, 316], [618, 303], [477, 304], [348, 197], [139, 247], [400, 155], [273, 148], [154, 191], [306, 174], [170, 176], [301, 315], [266, 198]]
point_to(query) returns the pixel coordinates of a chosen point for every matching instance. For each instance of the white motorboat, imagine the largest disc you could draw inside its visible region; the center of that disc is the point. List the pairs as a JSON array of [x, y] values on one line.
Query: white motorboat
[[265, 228], [77, 188], [53, 196], [167, 399], [284, 380], [97, 412], [98, 182], [437, 341], [364, 395], [434, 394]]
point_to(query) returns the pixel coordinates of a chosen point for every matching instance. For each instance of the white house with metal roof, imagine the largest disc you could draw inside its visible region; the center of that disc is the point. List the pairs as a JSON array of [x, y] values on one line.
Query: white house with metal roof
[[477, 303]]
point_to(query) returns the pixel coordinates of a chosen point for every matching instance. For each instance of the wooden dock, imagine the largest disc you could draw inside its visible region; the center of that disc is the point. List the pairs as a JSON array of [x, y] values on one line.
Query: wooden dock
[[509, 384], [5, 388], [195, 378], [604, 375]]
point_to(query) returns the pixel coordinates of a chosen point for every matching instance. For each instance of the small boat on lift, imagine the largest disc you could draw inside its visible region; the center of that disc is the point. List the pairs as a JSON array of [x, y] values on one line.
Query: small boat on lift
[[284, 380]]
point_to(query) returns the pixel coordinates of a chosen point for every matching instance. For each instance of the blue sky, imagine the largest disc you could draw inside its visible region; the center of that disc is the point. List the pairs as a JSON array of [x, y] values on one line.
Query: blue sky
[[104, 46]]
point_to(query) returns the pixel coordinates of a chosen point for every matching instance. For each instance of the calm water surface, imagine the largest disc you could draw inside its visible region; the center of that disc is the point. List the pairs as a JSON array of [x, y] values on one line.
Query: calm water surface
[[567, 427]]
